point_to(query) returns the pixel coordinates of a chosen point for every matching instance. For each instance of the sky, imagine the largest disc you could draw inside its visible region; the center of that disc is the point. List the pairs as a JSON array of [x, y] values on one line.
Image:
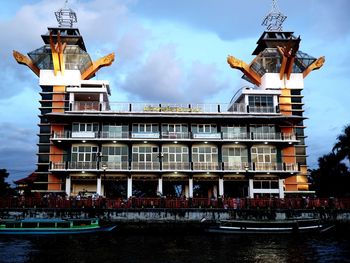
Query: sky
[[173, 51]]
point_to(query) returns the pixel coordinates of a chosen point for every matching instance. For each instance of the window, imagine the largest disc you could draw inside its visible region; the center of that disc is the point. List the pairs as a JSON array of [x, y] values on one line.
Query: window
[[85, 127], [265, 184], [84, 153], [114, 131], [234, 129], [235, 155], [261, 101], [145, 154], [263, 154], [204, 154], [270, 128], [204, 128], [114, 154], [145, 127], [174, 128], [178, 154]]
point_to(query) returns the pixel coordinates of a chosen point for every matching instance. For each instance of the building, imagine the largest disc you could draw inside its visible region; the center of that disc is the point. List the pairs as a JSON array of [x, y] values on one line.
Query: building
[[253, 145]]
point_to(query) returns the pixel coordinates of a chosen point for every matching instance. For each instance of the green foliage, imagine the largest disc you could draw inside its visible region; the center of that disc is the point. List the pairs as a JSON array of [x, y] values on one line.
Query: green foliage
[[332, 178]]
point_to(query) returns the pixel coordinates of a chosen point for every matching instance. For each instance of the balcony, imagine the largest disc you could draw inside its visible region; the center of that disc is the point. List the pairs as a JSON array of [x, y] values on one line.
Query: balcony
[[175, 135], [236, 136], [168, 108], [274, 136], [181, 166], [58, 166], [206, 166], [176, 166], [262, 109], [85, 134], [275, 167], [145, 166], [206, 135], [82, 165], [118, 166], [236, 166], [86, 106], [114, 135], [145, 135]]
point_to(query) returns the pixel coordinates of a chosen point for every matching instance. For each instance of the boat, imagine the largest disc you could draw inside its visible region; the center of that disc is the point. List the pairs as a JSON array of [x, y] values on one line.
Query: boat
[[47, 226], [270, 226]]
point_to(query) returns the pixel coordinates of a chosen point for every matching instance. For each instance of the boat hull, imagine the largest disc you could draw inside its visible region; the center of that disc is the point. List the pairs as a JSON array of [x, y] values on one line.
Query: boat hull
[[268, 227], [56, 226]]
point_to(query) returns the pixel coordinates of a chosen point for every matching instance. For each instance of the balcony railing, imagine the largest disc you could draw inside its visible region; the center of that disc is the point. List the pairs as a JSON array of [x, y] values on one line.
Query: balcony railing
[[286, 137], [206, 135], [175, 135], [114, 166], [145, 135], [178, 108], [274, 136], [86, 106], [180, 166], [236, 166], [235, 136], [82, 165], [145, 166], [58, 166], [206, 166], [114, 135], [176, 166], [268, 167], [262, 109]]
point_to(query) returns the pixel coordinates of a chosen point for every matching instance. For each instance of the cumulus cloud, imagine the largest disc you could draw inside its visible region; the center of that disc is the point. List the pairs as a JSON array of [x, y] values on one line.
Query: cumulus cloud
[[162, 77]]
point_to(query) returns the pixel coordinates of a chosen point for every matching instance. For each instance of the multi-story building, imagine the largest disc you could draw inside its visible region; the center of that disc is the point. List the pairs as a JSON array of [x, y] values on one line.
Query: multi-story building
[[254, 145]]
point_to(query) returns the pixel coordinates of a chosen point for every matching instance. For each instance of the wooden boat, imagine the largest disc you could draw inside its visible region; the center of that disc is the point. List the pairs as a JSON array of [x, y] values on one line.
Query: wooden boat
[[35, 226], [270, 226]]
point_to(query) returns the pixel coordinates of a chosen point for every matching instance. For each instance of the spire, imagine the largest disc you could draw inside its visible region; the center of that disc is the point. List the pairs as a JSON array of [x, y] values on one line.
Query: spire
[[66, 16], [273, 21]]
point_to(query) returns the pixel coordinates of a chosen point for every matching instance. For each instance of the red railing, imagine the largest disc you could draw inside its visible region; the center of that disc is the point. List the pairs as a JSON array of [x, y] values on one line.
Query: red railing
[[228, 203]]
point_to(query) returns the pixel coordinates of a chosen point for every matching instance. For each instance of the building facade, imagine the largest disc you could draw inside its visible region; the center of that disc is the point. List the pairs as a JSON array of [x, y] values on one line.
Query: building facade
[[252, 146]]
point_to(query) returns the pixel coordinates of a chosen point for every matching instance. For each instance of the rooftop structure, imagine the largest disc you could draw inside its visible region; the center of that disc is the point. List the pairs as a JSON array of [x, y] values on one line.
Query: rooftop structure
[[251, 145]]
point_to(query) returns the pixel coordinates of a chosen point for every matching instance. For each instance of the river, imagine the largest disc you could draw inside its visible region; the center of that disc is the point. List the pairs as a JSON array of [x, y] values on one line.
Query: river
[[176, 248]]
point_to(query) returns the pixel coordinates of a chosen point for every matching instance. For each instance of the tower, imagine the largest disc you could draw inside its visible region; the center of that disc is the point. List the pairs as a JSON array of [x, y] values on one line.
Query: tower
[[62, 63], [280, 66]]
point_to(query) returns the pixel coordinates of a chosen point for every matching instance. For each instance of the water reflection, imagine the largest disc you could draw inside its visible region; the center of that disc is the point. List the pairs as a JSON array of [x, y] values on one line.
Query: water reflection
[[175, 248]]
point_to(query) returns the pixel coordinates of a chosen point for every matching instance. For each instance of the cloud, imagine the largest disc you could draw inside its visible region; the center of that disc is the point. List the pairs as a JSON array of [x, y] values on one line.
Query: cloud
[[17, 149], [162, 77]]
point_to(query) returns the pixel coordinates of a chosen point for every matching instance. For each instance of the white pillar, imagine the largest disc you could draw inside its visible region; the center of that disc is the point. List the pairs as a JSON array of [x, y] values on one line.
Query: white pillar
[[129, 194], [186, 191], [98, 191], [251, 191], [221, 187], [68, 185], [190, 187], [160, 185], [215, 191], [281, 188]]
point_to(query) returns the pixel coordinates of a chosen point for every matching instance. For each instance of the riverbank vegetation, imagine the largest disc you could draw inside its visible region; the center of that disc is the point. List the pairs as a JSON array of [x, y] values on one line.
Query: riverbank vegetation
[[332, 177]]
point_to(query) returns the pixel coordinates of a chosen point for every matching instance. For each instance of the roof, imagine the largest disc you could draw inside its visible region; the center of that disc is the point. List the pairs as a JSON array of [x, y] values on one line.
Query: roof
[[29, 179]]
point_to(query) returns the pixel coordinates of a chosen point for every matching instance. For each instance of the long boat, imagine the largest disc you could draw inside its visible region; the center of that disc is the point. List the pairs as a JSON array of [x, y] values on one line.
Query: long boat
[[270, 226], [35, 226]]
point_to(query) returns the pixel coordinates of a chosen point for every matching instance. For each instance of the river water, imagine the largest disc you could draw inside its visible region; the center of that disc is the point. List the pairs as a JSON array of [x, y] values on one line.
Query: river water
[[176, 248]]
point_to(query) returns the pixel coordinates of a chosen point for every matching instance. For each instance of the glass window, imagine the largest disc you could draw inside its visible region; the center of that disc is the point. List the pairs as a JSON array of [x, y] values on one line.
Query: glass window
[[204, 154]]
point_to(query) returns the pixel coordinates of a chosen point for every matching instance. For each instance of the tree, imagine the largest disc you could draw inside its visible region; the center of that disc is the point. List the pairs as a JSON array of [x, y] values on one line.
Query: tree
[[5, 189], [342, 146], [332, 178]]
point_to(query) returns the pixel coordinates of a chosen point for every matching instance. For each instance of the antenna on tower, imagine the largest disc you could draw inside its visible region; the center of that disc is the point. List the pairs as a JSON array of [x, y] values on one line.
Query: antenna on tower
[[66, 16], [274, 20]]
